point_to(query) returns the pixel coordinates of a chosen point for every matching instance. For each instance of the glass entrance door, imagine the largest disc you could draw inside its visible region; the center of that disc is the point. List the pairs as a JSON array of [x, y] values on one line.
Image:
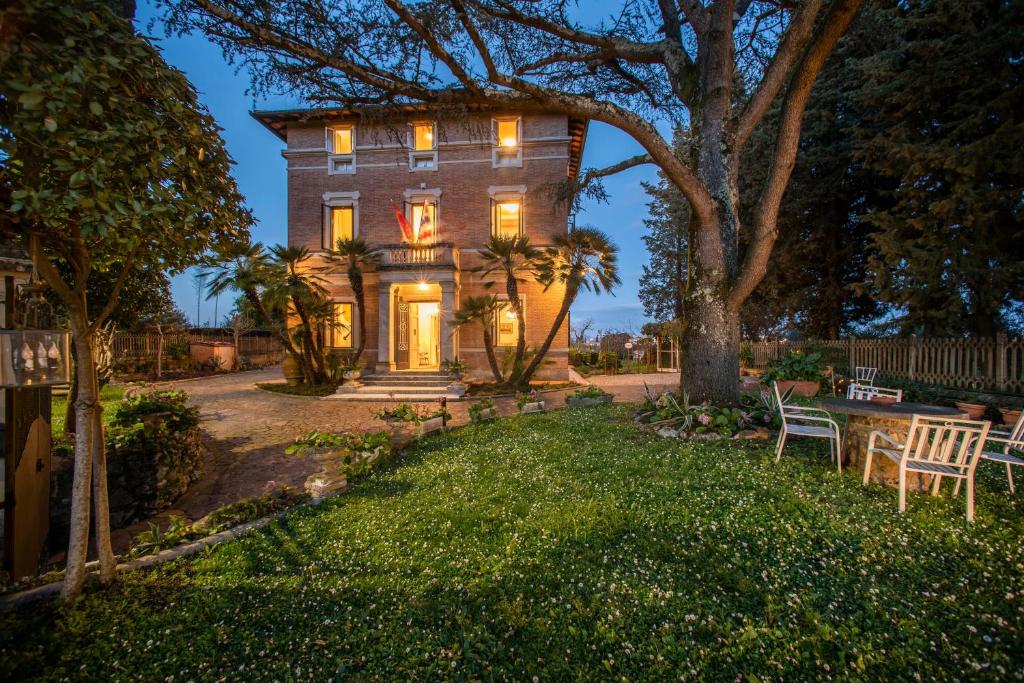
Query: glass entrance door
[[424, 335]]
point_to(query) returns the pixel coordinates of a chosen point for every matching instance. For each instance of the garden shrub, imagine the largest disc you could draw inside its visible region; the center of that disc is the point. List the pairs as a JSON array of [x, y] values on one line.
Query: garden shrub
[[477, 410], [154, 454], [795, 366]]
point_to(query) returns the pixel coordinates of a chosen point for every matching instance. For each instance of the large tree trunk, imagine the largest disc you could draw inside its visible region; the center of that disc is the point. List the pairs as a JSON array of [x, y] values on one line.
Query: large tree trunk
[[710, 363], [78, 541]]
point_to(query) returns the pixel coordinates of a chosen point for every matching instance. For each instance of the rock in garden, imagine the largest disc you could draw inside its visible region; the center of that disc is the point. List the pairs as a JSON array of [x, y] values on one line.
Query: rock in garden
[[668, 433], [760, 434]]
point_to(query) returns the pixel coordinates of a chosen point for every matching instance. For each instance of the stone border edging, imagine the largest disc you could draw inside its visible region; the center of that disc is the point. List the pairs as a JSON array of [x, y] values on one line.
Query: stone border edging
[[30, 595]]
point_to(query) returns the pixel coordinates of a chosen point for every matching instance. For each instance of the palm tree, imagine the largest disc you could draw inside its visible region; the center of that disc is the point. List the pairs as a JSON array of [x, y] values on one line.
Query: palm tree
[[294, 282], [515, 259], [582, 259], [357, 255], [245, 267], [482, 309]]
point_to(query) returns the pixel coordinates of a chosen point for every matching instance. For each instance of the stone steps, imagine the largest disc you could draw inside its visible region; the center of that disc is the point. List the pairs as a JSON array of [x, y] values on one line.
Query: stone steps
[[405, 386]]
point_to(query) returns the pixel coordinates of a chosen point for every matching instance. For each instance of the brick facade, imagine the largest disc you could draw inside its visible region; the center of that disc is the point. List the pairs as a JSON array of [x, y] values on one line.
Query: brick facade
[[463, 181]]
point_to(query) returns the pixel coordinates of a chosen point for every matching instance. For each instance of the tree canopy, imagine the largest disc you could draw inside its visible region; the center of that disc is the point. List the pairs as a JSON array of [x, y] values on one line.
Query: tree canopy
[[644, 67]]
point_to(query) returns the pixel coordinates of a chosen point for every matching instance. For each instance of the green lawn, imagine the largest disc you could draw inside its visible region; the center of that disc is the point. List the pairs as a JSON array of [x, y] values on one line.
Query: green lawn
[[569, 546], [110, 397]]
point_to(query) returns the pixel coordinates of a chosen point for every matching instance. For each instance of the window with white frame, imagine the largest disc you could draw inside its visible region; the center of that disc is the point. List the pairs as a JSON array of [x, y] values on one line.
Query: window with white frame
[[341, 149], [507, 141], [507, 217], [506, 324], [341, 218], [422, 217], [342, 326], [422, 146], [506, 209]]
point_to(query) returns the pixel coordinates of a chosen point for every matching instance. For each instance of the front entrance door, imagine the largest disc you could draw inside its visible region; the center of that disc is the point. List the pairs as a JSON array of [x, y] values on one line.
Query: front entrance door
[[424, 335]]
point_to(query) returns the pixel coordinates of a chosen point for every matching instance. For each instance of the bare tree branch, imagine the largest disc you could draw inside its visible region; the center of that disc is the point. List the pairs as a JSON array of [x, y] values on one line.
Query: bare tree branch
[[592, 174], [790, 49], [755, 263]]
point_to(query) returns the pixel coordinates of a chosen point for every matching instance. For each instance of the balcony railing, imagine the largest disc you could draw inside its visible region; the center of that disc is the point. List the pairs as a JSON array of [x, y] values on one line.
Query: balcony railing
[[419, 255]]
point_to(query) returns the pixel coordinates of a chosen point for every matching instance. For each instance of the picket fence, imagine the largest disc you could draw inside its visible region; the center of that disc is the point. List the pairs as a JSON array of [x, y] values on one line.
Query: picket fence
[[141, 347], [984, 364]]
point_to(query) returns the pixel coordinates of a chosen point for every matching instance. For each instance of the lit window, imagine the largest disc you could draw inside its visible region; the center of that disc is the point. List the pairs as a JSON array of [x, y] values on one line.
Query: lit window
[[508, 218], [342, 225], [508, 138], [506, 326], [341, 140], [341, 156], [423, 221], [423, 137], [341, 329], [507, 132]]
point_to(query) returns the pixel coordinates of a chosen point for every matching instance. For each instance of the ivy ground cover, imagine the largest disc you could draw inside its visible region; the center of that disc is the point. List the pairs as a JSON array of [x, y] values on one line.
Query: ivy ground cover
[[566, 546]]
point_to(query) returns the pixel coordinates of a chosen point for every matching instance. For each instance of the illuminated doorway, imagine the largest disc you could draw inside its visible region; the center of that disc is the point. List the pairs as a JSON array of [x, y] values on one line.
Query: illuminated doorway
[[424, 335]]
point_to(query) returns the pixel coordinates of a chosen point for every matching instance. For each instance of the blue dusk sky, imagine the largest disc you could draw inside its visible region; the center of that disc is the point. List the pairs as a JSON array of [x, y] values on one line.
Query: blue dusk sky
[[260, 173]]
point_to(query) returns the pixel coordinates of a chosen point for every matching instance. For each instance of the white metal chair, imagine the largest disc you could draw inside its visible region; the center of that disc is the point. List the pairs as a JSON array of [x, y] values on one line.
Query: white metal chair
[[937, 446], [794, 419], [864, 392], [1013, 440], [864, 375]]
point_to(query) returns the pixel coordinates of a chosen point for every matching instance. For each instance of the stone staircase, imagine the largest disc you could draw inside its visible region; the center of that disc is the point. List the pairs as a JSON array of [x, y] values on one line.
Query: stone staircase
[[402, 385]]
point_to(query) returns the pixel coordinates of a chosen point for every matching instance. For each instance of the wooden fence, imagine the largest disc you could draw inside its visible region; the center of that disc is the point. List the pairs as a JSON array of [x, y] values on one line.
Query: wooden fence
[[255, 349], [990, 364]]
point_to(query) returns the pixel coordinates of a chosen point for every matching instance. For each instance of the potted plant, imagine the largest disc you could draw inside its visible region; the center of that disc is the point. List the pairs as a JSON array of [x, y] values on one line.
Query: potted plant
[[530, 402], [404, 417], [291, 369], [1010, 415], [482, 410], [590, 396], [798, 371], [456, 369], [975, 411]]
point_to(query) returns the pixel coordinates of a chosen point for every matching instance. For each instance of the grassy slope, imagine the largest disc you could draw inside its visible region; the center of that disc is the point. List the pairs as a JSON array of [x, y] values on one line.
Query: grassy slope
[[565, 546]]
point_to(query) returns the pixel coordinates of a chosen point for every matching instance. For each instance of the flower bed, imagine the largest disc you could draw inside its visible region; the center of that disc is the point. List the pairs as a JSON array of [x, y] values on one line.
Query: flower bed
[[671, 415], [590, 396]]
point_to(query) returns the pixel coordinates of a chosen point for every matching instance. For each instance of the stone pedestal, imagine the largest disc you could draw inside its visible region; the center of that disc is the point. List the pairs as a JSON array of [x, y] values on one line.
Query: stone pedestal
[[883, 470]]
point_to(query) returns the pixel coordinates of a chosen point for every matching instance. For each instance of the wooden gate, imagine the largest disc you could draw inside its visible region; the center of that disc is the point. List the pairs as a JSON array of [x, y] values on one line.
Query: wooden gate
[[27, 486]]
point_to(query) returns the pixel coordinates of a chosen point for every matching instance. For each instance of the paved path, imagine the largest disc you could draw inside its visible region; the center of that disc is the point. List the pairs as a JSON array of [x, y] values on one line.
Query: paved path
[[247, 430]]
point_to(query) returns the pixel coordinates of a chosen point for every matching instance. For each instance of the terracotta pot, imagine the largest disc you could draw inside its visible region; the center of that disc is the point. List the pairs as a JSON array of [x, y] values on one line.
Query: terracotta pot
[[291, 369], [801, 387], [975, 411], [1010, 415], [883, 400]]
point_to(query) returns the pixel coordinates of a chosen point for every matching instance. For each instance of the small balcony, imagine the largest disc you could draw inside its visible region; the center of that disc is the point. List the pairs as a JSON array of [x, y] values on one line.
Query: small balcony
[[403, 256]]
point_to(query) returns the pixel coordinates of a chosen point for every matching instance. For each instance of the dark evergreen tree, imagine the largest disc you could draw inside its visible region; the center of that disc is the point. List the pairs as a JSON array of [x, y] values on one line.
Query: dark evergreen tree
[[663, 283], [942, 115]]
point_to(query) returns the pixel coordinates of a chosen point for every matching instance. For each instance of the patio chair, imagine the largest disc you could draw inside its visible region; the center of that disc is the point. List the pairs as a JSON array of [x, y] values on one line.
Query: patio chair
[[804, 421], [864, 375], [1013, 440], [937, 446], [863, 392]]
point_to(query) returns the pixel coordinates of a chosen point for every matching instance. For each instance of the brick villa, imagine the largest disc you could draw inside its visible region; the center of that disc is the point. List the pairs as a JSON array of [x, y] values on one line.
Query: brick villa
[[456, 180]]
